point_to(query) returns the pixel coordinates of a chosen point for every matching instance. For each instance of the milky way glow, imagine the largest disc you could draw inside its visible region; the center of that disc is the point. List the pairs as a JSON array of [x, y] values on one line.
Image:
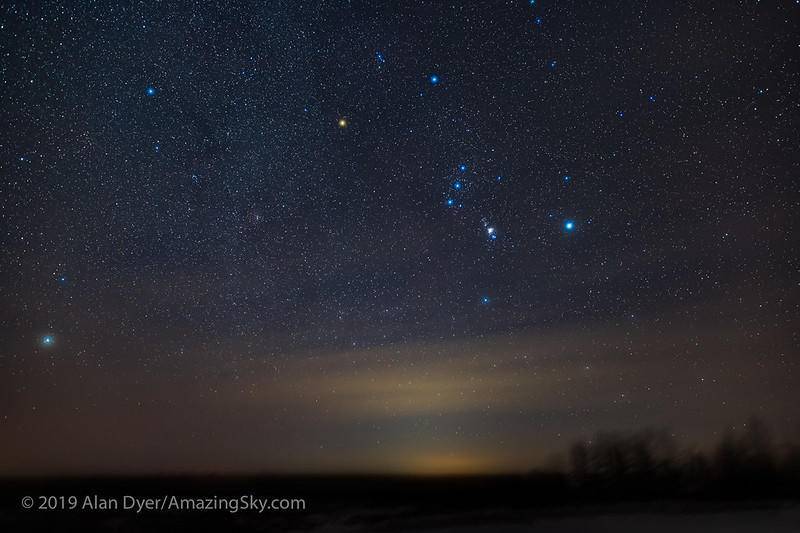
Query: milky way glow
[[417, 237]]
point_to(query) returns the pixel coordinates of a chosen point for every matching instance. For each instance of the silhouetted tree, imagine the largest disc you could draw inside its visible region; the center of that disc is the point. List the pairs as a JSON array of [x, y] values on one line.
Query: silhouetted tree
[[647, 464], [579, 462]]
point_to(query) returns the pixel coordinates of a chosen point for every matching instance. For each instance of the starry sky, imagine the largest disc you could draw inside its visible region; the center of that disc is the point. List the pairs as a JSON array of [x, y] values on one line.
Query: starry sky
[[417, 236]]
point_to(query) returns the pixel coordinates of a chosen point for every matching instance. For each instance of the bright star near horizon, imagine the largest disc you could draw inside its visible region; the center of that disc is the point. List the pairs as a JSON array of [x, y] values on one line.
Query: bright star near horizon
[[569, 225], [47, 340]]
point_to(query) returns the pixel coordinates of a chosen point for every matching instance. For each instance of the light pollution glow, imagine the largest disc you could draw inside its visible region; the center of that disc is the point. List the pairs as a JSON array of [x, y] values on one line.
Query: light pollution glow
[[502, 403]]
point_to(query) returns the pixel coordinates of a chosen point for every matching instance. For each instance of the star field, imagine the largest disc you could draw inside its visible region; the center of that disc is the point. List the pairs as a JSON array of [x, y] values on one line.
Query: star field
[[369, 236]]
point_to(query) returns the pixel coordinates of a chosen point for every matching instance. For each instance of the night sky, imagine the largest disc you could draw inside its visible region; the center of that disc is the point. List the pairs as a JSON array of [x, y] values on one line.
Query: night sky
[[417, 236]]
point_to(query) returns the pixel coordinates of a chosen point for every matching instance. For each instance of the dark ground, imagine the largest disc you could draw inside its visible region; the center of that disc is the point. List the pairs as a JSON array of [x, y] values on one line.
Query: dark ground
[[359, 503]]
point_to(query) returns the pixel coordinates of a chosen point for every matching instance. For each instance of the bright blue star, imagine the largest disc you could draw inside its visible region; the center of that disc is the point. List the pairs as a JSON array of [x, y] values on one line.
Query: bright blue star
[[457, 185], [434, 79], [553, 63], [462, 167], [151, 91], [499, 178], [379, 57], [651, 98], [47, 340], [538, 21], [62, 279], [485, 300], [450, 202], [569, 225], [620, 114], [567, 179]]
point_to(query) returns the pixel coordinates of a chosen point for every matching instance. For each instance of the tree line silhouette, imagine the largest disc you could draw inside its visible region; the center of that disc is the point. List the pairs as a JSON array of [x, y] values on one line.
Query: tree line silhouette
[[647, 464]]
